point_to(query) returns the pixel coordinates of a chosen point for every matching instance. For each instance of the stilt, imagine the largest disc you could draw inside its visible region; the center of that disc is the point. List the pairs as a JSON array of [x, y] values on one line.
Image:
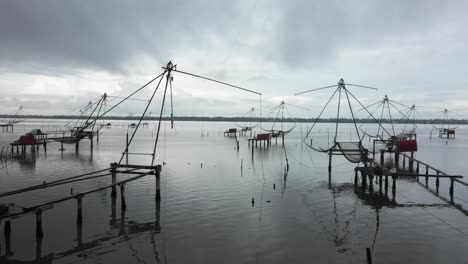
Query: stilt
[[437, 184], [97, 136], [77, 145], [329, 161], [355, 179], [451, 190], [386, 185], [380, 183], [8, 238], [158, 186], [394, 189], [39, 232], [371, 183], [427, 178], [126, 151], [79, 216], [122, 197], [113, 173]]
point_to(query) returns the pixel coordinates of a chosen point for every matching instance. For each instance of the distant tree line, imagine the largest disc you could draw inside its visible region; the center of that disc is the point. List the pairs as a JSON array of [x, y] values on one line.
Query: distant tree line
[[244, 119]]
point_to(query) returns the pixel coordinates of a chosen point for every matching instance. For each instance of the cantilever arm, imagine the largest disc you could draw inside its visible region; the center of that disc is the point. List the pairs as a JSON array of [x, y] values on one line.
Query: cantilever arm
[[362, 86], [316, 89], [213, 80]]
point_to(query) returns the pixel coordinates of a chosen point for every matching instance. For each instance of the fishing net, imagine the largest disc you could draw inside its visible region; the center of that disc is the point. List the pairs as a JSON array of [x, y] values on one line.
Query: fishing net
[[353, 151]]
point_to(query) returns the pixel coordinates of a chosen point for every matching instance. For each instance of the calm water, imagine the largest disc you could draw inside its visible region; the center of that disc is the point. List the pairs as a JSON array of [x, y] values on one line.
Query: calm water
[[206, 214]]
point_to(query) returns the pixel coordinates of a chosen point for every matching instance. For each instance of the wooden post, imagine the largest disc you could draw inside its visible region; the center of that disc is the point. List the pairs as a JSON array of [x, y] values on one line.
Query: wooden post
[[97, 136], [91, 139], [364, 181], [437, 183], [397, 157], [114, 174], [7, 238], [386, 185], [126, 151], [79, 215], [122, 197], [355, 178], [404, 161], [427, 178], [380, 183], [394, 188], [77, 145], [371, 183], [158, 186], [382, 153], [451, 189], [369, 256], [329, 161], [39, 232], [417, 171]]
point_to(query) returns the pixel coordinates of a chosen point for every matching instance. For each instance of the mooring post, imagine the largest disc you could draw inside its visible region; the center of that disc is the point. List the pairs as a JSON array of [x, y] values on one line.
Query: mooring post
[[451, 189], [122, 197], [39, 232], [79, 215]]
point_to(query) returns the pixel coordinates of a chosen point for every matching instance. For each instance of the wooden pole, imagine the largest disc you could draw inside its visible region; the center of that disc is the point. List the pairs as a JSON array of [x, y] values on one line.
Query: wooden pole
[[126, 150], [451, 189], [329, 161], [158, 186], [437, 183], [79, 215], [122, 197], [369, 256], [39, 232]]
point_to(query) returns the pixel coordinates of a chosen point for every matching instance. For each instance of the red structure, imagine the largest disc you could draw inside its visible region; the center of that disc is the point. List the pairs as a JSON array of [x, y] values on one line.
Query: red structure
[[231, 132], [407, 145], [263, 137], [27, 140]]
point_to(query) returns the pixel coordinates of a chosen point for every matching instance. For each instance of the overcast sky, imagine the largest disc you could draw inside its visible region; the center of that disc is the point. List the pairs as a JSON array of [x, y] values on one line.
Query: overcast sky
[[55, 56]]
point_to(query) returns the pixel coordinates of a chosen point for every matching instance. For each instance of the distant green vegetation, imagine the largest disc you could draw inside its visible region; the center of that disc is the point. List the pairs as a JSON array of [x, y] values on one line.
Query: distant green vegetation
[[243, 119]]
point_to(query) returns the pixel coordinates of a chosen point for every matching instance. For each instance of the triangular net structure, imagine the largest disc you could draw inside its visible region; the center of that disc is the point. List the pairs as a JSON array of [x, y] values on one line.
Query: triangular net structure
[[447, 123], [279, 114], [394, 119], [339, 141], [251, 120]]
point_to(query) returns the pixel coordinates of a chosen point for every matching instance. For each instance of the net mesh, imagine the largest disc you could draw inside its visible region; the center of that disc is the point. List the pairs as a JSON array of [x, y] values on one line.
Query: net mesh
[[353, 151]]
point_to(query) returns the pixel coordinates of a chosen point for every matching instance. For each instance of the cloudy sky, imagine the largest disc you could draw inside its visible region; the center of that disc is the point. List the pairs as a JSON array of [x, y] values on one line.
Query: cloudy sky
[[55, 56]]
